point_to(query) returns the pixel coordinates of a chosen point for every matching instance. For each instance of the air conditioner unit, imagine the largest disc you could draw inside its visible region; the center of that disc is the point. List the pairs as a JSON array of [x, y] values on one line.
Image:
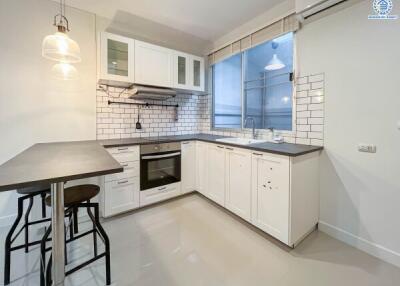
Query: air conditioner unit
[[308, 8]]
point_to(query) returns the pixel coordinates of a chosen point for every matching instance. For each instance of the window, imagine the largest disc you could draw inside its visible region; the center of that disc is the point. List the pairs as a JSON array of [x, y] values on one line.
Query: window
[[227, 91], [265, 89]]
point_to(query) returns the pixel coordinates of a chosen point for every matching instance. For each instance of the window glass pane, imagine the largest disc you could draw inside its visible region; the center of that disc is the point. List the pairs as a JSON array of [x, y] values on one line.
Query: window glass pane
[[268, 87], [227, 85], [117, 58], [181, 70], [196, 73]]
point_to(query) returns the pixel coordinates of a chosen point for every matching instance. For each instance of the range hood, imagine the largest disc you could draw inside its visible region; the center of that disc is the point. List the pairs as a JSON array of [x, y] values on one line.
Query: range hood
[[151, 93]]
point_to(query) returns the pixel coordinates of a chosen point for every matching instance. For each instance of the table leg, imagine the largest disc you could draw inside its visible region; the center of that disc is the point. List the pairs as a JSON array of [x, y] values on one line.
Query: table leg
[[58, 238]]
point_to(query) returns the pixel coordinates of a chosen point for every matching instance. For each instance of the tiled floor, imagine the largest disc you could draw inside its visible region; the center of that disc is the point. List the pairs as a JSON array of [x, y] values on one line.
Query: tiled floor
[[191, 242]]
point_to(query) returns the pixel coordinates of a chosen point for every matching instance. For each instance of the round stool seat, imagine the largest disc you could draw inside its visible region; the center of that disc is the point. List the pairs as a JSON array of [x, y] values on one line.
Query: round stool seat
[[34, 190], [77, 194]]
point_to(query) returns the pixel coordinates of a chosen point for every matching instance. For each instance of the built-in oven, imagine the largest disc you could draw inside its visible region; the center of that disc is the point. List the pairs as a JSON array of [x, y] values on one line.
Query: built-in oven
[[160, 164]]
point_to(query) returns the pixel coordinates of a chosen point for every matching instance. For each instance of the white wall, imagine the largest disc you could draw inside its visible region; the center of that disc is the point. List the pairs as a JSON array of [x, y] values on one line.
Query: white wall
[[265, 18], [360, 192], [34, 107]]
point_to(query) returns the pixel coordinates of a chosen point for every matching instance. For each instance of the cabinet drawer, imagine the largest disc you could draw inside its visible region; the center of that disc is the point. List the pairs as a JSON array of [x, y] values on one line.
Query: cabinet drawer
[[134, 150], [152, 196], [121, 196], [131, 169]]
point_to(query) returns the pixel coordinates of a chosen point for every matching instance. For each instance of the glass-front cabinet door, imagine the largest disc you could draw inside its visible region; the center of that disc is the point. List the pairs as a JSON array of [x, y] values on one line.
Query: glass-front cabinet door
[[197, 73], [117, 59], [181, 70]]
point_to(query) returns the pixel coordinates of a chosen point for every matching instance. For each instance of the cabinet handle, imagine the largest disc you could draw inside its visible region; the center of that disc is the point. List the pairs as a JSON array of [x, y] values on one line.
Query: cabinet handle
[[122, 149], [257, 154], [221, 147], [228, 148], [123, 182], [185, 143], [125, 165], [162, 189]]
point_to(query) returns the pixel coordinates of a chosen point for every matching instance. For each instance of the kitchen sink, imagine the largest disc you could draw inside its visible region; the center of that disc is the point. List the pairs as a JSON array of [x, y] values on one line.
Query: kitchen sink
[[241, 141]]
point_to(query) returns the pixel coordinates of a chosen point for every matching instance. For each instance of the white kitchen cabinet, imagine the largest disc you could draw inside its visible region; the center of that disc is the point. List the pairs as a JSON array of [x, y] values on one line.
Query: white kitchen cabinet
[[122, 196], [238, 182], [117, 64], [124, 61], [196, 73], [188, 166], [189, 72], [201, 167], [120, 191], [159, 194], [216, 173], [285, 195], [271, 195], [153, 65], [181, 70]]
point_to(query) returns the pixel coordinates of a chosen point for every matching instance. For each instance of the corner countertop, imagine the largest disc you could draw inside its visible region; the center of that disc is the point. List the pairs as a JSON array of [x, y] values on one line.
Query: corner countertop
[[287, 149]]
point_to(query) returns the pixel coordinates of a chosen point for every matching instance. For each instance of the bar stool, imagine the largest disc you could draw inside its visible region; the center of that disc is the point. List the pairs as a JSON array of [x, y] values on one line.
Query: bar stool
[[77, 197], [29, 194]]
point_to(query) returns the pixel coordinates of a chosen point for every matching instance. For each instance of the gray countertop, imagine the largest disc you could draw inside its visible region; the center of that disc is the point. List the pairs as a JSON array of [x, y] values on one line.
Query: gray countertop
[[286, 149], [57, 162]]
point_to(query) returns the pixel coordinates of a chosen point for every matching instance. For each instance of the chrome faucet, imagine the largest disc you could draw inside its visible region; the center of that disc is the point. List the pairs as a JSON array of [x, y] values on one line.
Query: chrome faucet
[[254, 125]]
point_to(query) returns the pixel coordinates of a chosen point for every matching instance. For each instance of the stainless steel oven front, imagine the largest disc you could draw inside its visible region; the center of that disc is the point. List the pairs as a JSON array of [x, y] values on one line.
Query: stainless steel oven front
[[160, 164]]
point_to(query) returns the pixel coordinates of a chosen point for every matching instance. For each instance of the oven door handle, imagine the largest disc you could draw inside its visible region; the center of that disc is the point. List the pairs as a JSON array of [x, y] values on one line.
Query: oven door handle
[[161, 156]]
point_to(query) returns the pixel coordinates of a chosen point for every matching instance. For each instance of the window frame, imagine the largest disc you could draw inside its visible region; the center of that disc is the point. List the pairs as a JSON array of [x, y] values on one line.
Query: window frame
[[243, 63]]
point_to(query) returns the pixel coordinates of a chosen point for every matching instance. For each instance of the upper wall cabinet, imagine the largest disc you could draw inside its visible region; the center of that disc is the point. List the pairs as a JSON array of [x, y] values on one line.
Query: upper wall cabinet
[[117, 60], [188, 72], [181, 70], [125, 61], [196, 73], [153, 65]]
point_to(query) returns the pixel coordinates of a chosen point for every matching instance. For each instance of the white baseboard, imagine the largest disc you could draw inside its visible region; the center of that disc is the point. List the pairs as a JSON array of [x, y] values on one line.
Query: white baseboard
[[365, 245], [7, 220]]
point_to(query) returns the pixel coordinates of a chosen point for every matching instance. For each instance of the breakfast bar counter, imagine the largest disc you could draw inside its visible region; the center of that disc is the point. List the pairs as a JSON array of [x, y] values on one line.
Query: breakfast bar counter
[[56, 163]]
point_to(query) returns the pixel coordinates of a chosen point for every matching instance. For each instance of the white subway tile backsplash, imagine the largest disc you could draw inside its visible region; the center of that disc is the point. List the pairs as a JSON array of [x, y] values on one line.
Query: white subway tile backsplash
[[316, 120], [118, 121], [317, 85], [317, 77]]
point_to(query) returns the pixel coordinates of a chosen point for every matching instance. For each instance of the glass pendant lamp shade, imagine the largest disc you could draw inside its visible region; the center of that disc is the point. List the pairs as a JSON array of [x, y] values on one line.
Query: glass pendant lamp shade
[[274, 64], [59, 47], [64, 71]]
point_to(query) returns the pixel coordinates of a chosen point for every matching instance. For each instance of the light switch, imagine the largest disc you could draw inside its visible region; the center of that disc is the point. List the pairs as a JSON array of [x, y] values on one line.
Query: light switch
[[398, 124], [368, 148]]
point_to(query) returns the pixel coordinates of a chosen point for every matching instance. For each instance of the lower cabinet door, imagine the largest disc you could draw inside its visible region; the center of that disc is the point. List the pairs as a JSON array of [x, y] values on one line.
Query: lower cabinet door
[[188, 167], [216, 174], [121, 196], [271, 199], [238, 182], [151, 196], [201, 167]]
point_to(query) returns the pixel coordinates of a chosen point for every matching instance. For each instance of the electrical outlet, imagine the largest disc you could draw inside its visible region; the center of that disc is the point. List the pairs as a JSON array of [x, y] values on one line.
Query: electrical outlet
[[367, 148]]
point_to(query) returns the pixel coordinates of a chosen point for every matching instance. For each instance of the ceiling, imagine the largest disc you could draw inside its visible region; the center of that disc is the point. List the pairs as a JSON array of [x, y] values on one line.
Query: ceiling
[[206, 19]]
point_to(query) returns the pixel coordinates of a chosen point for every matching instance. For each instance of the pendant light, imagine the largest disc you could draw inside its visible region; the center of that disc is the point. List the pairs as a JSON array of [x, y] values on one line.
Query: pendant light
[[59, 47], [64, 71], [275, 63]]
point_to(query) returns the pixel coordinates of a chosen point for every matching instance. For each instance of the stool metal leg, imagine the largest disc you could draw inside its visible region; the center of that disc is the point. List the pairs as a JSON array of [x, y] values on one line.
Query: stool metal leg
[[43, 256], [58, 238], [43, 198], [106, 242], [76, 228], [28, 212], [94, 230], [7, 258]]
